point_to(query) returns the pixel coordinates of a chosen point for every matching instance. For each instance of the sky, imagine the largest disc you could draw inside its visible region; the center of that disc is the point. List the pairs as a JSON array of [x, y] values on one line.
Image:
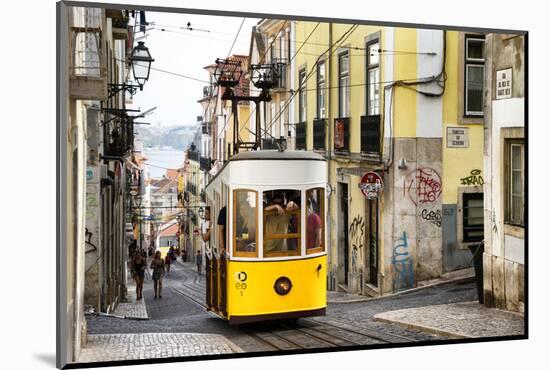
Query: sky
[[185, 52]]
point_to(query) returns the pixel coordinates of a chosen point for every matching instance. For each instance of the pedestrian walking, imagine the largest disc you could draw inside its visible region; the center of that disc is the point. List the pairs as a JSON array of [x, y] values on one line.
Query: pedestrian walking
[[167, 262], [157, 264], [198, 260], [138, 271]]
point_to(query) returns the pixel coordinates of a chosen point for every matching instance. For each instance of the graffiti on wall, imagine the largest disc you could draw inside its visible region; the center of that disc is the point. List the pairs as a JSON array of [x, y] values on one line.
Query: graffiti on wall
[[475, 179], [433, 217], [422, 185], [356, 232], [403, 275], [494, 219]]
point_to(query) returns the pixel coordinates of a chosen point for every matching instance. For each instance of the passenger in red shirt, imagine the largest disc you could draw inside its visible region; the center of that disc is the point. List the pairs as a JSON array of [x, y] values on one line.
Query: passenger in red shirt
[[313, 226]]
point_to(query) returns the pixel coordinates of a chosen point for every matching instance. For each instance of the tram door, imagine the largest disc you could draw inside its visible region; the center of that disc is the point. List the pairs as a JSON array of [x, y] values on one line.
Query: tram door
[[222, 257]]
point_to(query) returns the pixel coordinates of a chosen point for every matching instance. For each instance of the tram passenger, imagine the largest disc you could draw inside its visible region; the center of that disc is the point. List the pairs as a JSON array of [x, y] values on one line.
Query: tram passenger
[[277, 222], [313, 225], [222, 220]]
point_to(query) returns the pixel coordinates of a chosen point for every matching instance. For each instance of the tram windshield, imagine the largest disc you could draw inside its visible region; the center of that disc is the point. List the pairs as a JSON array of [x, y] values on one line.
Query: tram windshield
[[281, 219]]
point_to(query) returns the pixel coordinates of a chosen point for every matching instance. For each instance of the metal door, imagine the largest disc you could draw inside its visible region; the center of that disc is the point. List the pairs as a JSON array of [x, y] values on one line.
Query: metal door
[[208, 275], [345, 228], [222, 286], [372, 240]]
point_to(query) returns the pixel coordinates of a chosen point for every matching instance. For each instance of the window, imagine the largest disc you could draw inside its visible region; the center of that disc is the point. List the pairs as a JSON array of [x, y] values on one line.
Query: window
[[315, 220], [321, 87], [282, 229], [343, 84], [245, 222], [373, 78], [515, 191], [473, 217], [302, 112], [474, 74]]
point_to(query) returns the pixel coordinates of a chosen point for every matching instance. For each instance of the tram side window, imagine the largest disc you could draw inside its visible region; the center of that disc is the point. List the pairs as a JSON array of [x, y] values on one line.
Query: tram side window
[[245, 223], [282, 227], [315, 220]]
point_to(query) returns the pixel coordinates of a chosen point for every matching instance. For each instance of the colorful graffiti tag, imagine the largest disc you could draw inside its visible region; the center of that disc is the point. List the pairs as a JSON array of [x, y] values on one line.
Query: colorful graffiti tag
[[475, 179], [422, 185], [403, 274]]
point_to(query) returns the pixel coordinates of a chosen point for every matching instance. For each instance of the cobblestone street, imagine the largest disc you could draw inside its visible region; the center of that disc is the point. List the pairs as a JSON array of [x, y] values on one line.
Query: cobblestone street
[[179, 325]]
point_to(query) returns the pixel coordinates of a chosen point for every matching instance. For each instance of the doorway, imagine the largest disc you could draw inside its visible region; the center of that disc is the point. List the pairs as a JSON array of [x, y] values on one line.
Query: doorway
[[372, 239], [343, 190]]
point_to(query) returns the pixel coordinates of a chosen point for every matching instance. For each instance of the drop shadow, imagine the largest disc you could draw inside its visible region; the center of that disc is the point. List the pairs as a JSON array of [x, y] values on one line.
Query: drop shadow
[[47, 358]]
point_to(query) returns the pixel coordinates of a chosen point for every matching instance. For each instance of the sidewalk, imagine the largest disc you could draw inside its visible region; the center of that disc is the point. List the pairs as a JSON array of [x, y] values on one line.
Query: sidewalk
[[458, 320], [118, 347], [132, 308], [453, 276]]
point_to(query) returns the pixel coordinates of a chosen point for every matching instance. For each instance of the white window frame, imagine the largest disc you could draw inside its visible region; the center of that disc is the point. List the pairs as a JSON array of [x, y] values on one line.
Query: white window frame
[[472, 62]]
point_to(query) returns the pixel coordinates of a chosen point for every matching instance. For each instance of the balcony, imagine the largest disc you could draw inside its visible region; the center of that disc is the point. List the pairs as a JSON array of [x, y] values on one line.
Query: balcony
[[301, 129], [205, 127], [207, 91], [341, 135], [319, 134], [119, 134], [269, 144], [280, 73], [370, 135], [205, 164], [87, 60], [193, 155]]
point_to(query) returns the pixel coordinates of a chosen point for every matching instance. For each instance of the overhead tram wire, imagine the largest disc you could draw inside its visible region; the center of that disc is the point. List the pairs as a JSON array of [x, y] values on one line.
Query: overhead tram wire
[[217, 98], [291, 59], [335, 47], [262, 59]]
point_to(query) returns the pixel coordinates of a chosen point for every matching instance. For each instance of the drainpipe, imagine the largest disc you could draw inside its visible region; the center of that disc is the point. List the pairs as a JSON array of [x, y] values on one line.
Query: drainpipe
[[329, 151]]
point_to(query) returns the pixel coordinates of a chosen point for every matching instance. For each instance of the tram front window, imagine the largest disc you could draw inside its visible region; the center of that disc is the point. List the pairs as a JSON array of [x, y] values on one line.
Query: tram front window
[[282, 227], [246, 217], [315, 202]]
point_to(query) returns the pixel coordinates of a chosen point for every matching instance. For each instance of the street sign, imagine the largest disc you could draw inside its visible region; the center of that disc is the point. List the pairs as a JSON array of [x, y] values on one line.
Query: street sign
[[371, 185]]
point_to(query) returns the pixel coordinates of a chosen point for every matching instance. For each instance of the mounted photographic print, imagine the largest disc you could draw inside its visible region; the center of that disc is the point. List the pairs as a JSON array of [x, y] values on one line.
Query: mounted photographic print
[[238, 184]]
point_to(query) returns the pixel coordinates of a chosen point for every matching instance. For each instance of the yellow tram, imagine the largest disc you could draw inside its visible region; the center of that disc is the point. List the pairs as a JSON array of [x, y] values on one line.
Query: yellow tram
[[267, 257]]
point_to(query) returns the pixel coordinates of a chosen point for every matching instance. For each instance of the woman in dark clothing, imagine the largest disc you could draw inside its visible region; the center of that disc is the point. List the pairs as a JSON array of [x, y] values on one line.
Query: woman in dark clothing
[[138, 270], [157, 264]]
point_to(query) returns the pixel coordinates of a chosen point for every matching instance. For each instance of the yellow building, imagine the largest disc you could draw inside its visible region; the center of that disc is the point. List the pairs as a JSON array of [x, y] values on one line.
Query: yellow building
[[405, 104]]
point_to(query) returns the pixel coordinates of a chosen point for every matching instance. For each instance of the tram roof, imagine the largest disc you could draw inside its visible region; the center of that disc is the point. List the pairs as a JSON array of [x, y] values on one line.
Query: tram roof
[[277, 155]]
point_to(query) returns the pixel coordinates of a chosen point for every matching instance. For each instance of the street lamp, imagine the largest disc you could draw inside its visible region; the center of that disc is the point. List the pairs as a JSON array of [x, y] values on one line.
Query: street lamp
[[141, 63]]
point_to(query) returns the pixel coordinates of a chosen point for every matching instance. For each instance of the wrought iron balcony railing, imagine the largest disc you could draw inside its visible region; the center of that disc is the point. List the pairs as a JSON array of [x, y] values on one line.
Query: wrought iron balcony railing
[[193, 155], [319, 134], [301, 136], [370, 134], [205, 164]]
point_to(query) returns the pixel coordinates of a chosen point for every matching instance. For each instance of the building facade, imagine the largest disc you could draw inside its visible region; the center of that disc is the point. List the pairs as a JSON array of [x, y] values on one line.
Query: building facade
[[504, 165], [388, 101]]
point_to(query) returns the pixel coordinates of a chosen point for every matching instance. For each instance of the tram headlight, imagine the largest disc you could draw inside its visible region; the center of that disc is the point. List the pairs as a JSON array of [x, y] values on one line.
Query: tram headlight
[[283, 285]]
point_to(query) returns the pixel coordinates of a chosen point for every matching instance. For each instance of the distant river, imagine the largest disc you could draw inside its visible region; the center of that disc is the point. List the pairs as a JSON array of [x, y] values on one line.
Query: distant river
[[168, 158]]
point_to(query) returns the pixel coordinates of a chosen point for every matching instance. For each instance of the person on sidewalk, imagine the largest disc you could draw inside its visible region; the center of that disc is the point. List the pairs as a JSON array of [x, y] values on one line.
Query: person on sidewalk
[[198, 260], [167, 262], [157, 264], [138, 271]]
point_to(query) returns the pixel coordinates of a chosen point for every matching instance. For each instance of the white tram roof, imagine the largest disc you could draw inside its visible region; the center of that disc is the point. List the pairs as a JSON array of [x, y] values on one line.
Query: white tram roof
[[271, 168], [277, 155]]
